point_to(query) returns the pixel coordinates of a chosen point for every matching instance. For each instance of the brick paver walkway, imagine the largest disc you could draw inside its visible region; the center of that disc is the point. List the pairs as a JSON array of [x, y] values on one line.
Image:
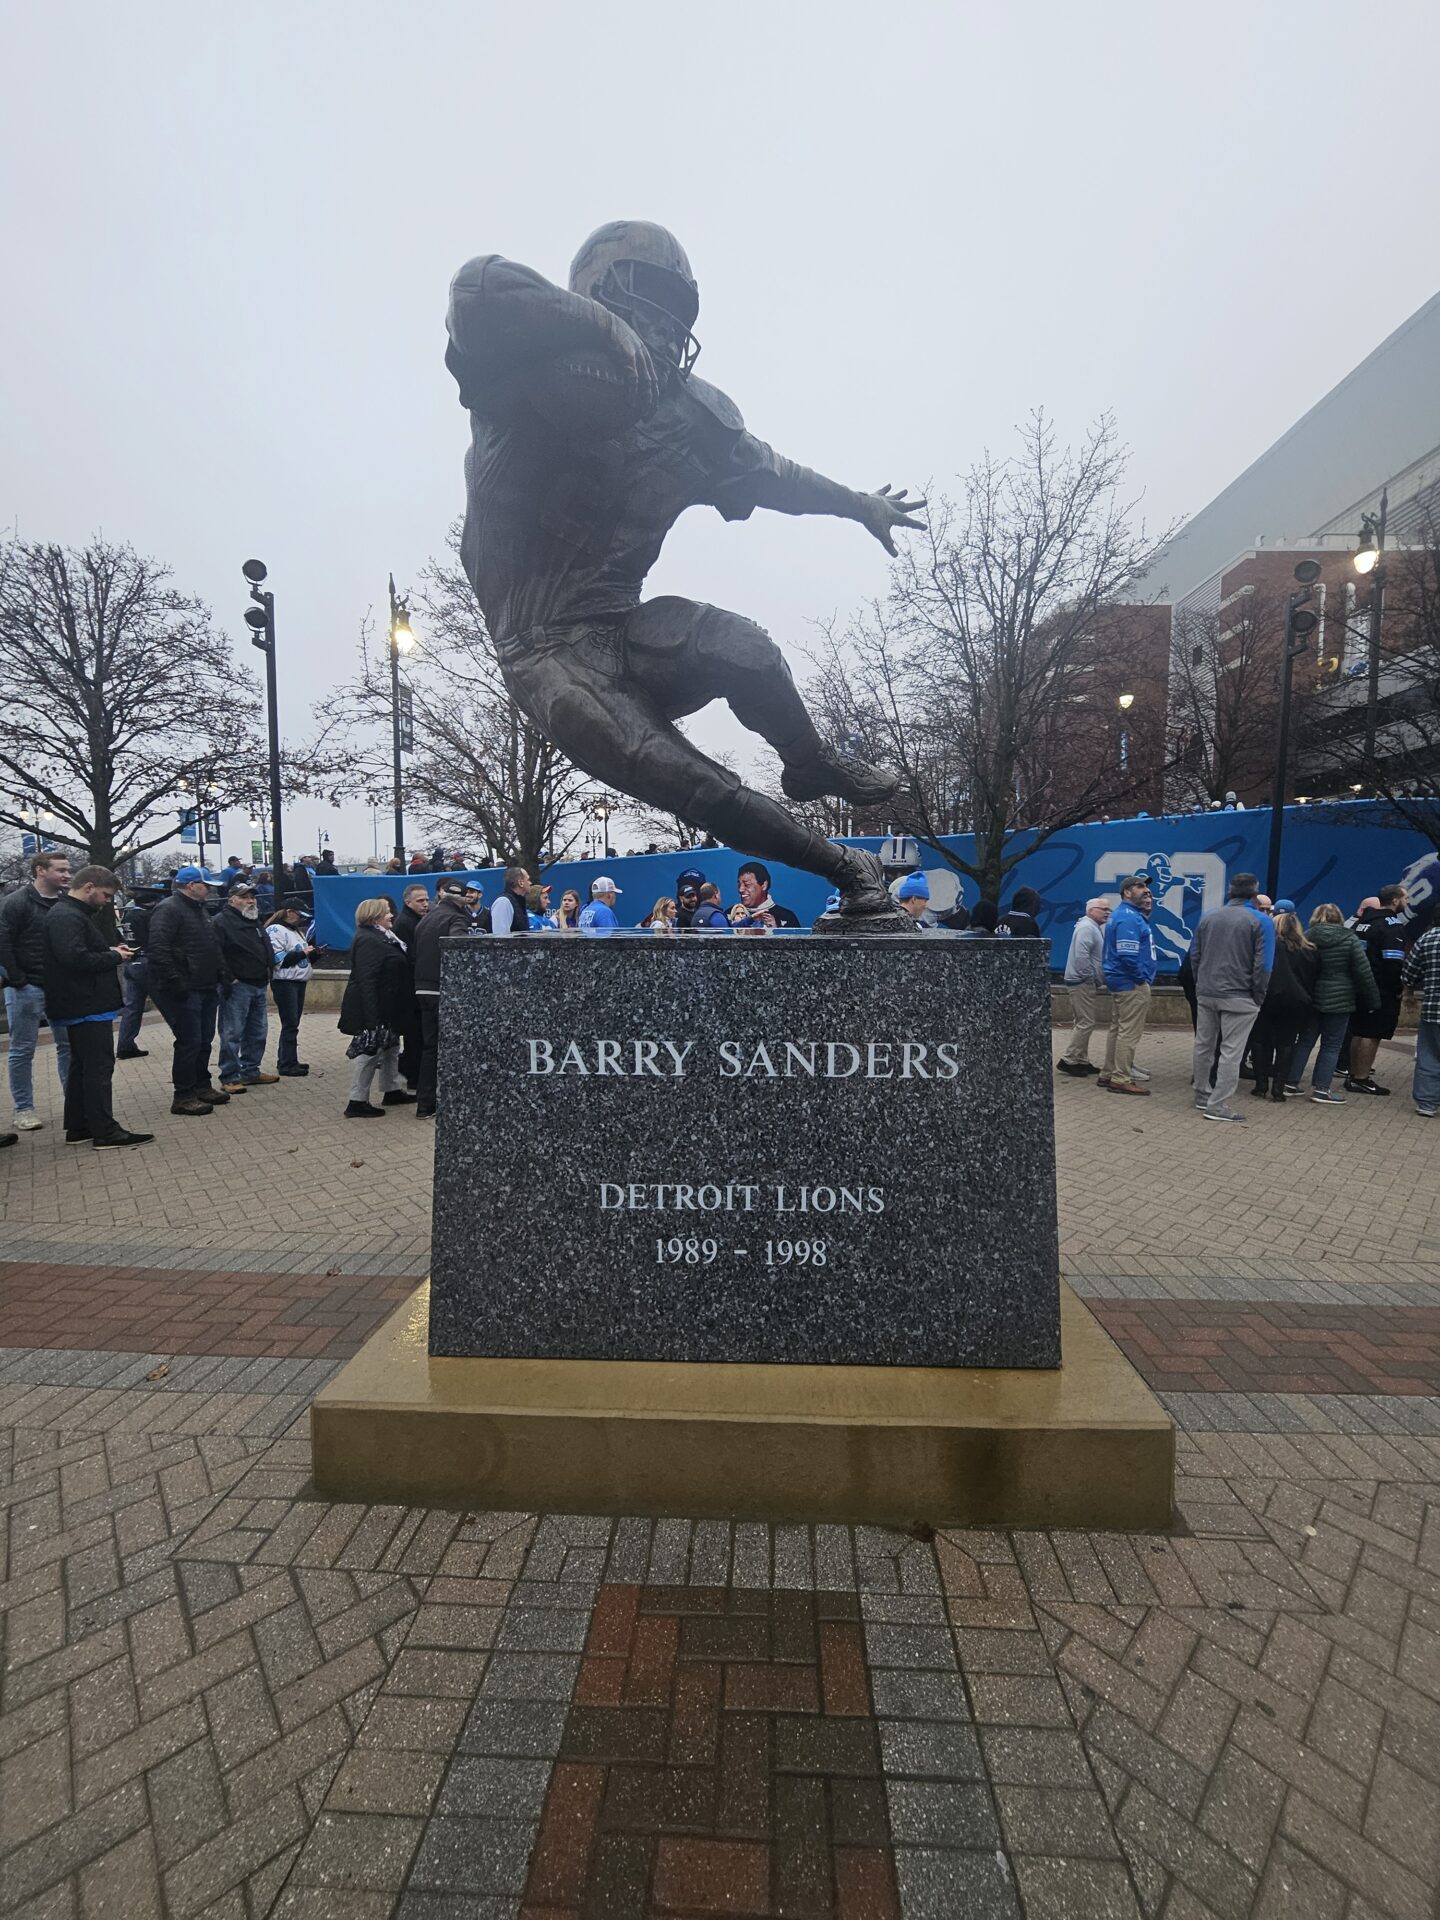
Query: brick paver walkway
[[193, 1310], [222, 1696]]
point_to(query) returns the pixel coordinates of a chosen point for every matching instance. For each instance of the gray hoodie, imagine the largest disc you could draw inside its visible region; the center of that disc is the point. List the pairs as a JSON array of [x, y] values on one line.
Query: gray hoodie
[[1228, 954]]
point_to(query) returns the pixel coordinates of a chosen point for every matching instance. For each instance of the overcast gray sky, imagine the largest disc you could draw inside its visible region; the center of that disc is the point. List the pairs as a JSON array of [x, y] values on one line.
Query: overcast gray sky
[[230, 230]]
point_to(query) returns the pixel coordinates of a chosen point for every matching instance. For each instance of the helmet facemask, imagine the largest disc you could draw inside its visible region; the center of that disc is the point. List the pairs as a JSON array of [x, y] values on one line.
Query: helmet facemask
[[666, 304]]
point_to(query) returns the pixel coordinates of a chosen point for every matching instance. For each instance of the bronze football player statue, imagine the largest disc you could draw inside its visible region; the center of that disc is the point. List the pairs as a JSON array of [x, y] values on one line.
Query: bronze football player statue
[[590, 437]]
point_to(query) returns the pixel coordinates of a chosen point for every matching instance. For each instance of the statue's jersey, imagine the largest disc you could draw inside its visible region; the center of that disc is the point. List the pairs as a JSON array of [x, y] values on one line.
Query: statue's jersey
[[558, 531]]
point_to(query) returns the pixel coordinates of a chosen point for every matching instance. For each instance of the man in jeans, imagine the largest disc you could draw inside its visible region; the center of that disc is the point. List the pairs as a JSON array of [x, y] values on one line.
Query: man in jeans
[[1085, 982], [1422, 976], [1231, 957], [22, 961], [1129, 967], [187, 970], [244, 997]]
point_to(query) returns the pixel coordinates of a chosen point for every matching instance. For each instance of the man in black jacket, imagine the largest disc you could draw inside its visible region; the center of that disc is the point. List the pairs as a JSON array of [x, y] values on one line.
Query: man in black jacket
[[415, 904], [1382, 930], [22, 961], [449, 916], [244, 997], [1020, 919], [82, 994], [187, 969], [687, 897]]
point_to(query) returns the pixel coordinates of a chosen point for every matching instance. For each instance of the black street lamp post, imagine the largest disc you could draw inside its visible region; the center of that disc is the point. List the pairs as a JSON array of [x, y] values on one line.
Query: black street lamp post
[[261, 621], [1300, 623], [402, 639]]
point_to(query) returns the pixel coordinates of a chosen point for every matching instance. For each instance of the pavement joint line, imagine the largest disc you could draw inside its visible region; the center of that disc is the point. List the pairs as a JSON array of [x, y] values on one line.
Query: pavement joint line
[[186, 1373]]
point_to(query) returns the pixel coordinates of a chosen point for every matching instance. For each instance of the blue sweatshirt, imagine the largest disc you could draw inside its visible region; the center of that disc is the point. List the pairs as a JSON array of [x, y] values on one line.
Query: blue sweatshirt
[[598, 918], [1129, 950], [1267, 928]]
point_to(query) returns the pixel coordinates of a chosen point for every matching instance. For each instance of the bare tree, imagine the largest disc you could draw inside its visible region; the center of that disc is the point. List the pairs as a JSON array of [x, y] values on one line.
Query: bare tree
[[118, 699], [1403, 769], [1224, 695], [479, 769], [991, 673]]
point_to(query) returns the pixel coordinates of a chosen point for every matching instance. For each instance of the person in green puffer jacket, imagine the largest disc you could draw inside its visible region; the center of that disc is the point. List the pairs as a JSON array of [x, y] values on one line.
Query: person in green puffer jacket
[[1343, 981]]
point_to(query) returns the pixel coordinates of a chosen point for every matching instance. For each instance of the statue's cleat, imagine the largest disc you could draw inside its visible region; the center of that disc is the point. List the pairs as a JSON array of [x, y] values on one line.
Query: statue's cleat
[[863, 890], [847, 779]]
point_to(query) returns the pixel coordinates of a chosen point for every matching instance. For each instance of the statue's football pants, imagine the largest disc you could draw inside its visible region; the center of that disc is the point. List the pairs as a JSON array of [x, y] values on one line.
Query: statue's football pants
[[608, 695]]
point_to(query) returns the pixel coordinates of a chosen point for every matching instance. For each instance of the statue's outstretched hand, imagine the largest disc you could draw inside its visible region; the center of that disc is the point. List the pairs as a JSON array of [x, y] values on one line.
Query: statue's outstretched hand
[[882, 512], [633, 358]]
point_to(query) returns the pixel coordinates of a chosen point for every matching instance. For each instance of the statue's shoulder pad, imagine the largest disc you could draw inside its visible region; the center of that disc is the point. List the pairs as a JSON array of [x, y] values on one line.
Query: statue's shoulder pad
[[719, 406]]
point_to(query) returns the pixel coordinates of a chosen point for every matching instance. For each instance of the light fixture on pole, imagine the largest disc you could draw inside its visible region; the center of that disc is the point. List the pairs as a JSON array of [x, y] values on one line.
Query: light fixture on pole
[[1124, 701], [261, 621], [601, 810], [1300, 623], [402, 640], [1370, 560]]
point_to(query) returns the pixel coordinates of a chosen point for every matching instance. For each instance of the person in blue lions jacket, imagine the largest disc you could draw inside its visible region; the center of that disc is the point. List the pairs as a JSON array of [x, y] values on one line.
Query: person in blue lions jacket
[[599, 917], [1129, 967]]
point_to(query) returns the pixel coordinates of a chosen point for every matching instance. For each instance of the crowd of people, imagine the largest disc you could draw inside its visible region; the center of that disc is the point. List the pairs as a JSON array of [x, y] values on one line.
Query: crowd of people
[[215, 955], [1265, 994], [77, 956]]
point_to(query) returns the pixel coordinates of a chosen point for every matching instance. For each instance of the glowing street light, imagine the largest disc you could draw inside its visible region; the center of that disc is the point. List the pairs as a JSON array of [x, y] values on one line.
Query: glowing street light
[[1371, 560]]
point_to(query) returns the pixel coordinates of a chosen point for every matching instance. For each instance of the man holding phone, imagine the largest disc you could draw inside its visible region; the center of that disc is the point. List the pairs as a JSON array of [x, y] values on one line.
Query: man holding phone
[[83, 995]]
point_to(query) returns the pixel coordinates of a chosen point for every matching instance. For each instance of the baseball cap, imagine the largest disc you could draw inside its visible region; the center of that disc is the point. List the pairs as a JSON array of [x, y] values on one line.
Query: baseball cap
[[1285, 906], [242, 886], [604, 884], [184, 875], [456, 888], [691, 877], [913, 887]]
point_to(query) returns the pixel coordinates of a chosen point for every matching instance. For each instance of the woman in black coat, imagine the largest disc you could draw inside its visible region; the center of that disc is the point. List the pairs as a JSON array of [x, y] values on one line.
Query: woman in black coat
[[1289, 1001], [373, 1011]]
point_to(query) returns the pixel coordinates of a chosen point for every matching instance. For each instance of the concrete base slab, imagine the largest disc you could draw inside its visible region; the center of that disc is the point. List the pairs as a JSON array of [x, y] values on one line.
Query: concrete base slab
[[1085, 1445]]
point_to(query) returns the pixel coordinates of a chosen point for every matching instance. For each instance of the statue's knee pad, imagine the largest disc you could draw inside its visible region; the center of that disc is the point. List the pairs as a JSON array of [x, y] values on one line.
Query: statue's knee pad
[[739, 642]]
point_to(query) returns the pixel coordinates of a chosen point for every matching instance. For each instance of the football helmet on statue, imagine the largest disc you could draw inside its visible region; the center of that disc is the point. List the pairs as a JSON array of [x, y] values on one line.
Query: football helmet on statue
[[640, 272]]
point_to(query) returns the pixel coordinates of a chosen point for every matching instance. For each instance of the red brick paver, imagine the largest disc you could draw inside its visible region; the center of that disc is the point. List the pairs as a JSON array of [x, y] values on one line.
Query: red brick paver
[[720, 1757], [1274, 1347], [150, 1310]]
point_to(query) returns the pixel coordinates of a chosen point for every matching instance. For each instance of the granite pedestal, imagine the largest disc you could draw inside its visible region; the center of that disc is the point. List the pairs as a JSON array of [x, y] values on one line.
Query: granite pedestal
[[752, 1227], [723, 1149]]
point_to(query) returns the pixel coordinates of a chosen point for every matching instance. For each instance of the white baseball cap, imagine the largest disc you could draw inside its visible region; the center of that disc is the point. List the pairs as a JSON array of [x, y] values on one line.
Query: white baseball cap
[[605, 885]]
